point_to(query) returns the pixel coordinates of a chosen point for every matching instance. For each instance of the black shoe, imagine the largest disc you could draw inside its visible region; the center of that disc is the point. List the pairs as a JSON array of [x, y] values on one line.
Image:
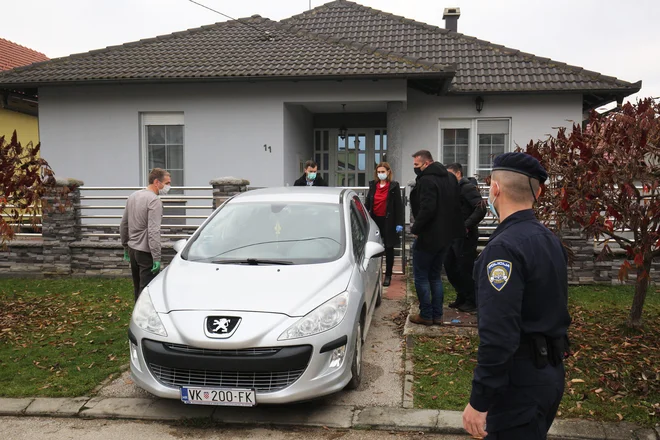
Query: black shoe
[[467, 308], [387, 280], [455, 305]]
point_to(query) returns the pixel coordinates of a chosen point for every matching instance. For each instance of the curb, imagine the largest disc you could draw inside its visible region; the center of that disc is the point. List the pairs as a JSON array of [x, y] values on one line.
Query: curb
[[308, 415]]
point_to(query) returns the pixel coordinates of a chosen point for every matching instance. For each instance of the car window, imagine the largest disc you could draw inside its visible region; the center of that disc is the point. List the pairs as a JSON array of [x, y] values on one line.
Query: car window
[[358, 234], [364, 215], [300, 233]]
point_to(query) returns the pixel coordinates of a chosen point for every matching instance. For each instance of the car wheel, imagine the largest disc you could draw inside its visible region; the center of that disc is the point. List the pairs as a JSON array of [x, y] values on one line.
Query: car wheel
[[356, 366], [379, 298]]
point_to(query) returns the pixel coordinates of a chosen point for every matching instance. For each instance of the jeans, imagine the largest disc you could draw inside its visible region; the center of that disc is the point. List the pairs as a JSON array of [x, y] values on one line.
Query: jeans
[[427, 271]]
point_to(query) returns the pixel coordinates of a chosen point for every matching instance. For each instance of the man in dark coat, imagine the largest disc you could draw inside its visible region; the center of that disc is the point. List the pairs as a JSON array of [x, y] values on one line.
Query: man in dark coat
[[463, 252], [435, 205], [311, 177]]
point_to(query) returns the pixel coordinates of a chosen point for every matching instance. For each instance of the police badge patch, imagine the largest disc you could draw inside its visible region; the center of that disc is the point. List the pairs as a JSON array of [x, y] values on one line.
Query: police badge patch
[[499, 272]]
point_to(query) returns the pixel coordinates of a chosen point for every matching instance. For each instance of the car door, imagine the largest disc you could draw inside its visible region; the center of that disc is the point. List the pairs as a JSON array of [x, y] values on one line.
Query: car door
[[360, 225]]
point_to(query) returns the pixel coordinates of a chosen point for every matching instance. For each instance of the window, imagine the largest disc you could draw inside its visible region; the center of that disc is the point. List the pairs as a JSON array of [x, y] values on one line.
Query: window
[[322, 152], [358, 234], [163, 144], [455, 146], [493, 140]]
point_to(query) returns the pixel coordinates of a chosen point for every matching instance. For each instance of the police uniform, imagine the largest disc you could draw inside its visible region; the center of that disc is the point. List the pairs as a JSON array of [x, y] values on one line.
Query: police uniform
[[522, 294]]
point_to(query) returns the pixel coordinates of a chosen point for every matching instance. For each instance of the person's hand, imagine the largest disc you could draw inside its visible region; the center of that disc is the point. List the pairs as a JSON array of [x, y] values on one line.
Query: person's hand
[[156, 267], [126, 257], [474, 422], [399, 228]]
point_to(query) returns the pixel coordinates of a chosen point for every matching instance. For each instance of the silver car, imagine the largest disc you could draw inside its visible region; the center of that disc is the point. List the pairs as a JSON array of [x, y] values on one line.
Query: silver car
[[269, 301]]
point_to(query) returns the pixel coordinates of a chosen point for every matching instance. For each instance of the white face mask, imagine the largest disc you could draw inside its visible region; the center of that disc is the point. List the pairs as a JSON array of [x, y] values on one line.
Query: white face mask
[[164, 190], [382, 176]]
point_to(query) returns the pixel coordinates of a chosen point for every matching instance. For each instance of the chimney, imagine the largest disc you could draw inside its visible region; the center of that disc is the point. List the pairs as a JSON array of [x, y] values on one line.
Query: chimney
[[451, 16]]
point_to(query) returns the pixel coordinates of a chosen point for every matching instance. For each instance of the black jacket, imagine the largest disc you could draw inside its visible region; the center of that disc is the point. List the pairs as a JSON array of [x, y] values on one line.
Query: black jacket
[[473, 207], [393, 215], [303, 181], [436, 207]]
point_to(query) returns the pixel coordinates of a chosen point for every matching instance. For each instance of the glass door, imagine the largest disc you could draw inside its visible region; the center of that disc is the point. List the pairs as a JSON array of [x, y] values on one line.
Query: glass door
[[351, 159]]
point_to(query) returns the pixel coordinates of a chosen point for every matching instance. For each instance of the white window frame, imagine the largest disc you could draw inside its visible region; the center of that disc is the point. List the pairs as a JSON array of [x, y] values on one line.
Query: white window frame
[[473, 139], [157, 118]]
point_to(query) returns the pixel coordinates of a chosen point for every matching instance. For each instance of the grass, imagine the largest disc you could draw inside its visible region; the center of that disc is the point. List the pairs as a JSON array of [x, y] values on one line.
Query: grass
[[62, 337], [614, 374]]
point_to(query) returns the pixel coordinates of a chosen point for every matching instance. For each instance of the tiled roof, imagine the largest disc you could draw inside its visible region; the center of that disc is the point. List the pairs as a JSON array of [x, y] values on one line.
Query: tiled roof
[[255, 48], [14, 55], [481, 66]]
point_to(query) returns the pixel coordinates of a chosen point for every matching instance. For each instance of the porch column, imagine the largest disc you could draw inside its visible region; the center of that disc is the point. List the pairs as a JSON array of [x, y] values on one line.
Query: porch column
[[395, 110]]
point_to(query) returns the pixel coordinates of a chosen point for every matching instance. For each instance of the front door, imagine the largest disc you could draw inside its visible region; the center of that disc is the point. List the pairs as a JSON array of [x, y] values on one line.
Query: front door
[[350, 160]]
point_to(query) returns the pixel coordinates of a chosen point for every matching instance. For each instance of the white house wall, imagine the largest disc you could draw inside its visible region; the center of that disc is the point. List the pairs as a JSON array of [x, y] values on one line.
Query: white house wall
[[532, 117], [93, 133], [298, 140]]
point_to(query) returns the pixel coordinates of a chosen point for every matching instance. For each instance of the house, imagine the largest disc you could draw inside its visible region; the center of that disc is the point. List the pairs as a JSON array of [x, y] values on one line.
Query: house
[[344, 84], [18, 111]]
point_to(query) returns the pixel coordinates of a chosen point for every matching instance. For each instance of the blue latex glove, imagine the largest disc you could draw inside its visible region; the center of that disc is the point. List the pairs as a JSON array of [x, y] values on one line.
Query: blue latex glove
[[399, 228], [126, 257], [156, 267]]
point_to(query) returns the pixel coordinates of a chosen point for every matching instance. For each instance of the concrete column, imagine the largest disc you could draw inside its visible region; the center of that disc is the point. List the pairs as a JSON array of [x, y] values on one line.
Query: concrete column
[[60, 225], [395, 111], [225, 187]]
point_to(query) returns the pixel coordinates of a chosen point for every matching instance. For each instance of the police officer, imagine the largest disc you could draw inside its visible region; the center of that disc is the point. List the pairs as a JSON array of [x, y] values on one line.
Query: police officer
[[522, 294]]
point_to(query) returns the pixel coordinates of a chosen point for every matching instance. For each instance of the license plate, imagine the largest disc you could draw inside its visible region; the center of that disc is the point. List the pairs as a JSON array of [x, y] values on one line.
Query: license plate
[[218, 396]]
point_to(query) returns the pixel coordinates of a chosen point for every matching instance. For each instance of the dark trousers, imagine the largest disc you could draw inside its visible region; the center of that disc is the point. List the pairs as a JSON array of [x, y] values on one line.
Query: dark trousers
[[389, 247], [427, 272], [459, 265], [528, 407], [141, 264]]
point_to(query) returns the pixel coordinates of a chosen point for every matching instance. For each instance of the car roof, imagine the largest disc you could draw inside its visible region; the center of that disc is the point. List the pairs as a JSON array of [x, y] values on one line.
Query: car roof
[[311, 194]]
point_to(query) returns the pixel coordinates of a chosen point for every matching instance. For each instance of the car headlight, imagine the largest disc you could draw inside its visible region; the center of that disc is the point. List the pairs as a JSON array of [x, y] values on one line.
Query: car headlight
[[319, 320], [146, 317]]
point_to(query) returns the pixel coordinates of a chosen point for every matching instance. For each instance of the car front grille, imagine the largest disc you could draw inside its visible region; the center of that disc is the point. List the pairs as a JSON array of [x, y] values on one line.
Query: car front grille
[[212, 352], [260, 381]]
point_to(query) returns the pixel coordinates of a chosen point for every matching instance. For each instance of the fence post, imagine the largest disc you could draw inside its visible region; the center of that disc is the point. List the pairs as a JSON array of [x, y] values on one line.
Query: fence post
[[225, 187], [60, 225]]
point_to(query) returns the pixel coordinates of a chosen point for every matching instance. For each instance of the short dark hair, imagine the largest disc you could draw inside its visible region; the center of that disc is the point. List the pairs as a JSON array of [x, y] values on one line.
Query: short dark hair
[[310, 164], [157, 174], [425, 155], [455, 167]]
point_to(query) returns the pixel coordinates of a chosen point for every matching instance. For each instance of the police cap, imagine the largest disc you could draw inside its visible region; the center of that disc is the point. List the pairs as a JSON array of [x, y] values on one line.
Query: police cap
[[521, 163]]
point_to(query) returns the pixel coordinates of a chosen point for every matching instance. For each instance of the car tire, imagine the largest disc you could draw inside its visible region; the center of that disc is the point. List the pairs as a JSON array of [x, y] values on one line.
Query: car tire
[[356, 365], [379, 298]]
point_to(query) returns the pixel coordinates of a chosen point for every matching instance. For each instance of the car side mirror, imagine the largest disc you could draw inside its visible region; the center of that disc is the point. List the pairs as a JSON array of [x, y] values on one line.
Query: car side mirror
[[372, 250], [179, 245]]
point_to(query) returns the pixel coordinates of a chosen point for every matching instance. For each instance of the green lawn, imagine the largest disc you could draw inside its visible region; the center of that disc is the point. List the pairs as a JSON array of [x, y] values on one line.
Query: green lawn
[[62, 337], [613, 375]]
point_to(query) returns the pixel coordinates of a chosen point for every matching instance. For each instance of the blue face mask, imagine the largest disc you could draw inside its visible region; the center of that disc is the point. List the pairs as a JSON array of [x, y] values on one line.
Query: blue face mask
[[311, 176], [382, 176], [491, 205]]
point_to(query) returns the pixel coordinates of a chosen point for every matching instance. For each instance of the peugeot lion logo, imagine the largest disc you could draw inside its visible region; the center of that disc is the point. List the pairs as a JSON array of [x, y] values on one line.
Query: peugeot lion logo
[[221, 326]]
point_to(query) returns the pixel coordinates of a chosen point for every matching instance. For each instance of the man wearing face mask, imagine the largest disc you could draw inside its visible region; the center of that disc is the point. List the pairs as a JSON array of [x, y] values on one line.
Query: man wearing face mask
[[435, 205], [311, 176], [140, 229], [522, 294]]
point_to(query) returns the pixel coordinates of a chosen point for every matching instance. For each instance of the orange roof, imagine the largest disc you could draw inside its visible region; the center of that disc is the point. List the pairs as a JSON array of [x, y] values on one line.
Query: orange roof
[[14, 55]]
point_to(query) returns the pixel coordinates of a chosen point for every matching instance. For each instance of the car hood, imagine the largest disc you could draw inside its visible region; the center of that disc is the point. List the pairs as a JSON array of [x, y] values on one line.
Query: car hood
[[292, 290]]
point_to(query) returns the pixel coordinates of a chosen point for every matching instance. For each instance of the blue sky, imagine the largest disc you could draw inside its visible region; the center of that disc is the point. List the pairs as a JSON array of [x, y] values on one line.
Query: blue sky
[[608, 36]]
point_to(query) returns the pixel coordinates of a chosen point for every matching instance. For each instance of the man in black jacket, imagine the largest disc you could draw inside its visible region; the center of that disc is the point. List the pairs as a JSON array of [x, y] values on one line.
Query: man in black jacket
[[311, 177], [435, 205], [463, 252]]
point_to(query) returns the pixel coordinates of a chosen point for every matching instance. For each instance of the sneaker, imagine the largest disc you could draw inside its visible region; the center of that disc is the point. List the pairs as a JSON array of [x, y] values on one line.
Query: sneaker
[[387, 280], [455, 305], [467, 308], [417, 319]]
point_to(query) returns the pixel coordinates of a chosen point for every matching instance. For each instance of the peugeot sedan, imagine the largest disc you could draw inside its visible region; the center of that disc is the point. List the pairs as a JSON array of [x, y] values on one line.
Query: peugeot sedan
[[269, 301]]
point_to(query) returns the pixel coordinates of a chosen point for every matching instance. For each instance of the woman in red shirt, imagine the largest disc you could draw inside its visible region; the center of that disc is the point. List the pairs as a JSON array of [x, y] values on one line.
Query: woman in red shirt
[[385, 205]]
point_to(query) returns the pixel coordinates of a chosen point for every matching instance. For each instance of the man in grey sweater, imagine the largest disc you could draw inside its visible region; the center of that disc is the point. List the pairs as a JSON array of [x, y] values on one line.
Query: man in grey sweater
[[140, 229]]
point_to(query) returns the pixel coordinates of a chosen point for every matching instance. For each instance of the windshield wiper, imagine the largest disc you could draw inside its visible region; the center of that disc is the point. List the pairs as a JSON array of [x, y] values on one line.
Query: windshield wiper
[[252, 261]]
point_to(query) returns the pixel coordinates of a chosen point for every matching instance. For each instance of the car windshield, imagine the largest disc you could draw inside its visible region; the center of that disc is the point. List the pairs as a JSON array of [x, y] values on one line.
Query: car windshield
[[270, 233]]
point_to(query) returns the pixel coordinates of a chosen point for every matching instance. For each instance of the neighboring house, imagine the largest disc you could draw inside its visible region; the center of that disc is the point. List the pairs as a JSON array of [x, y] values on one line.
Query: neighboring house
[[341, 83], [18, 111]]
